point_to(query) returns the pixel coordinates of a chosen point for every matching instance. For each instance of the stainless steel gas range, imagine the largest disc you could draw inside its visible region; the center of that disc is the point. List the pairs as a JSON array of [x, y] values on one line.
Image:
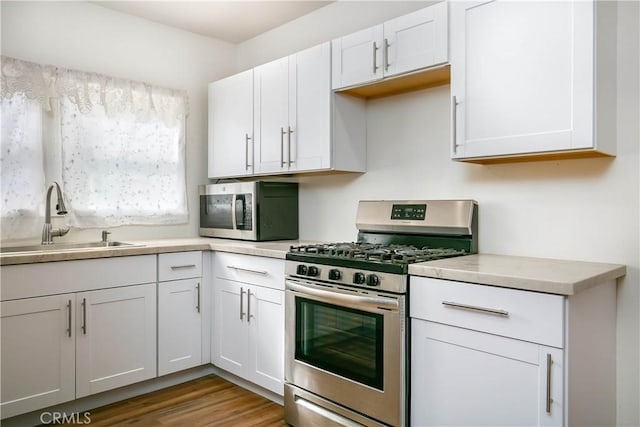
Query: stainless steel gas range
[[346, 354]]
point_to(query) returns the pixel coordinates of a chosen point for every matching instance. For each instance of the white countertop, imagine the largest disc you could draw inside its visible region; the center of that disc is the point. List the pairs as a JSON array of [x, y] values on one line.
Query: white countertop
[[275, 249], [535, 274]]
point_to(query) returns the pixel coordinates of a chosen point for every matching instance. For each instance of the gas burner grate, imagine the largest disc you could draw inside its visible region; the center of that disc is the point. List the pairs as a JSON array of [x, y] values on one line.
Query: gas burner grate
[[375, 252]]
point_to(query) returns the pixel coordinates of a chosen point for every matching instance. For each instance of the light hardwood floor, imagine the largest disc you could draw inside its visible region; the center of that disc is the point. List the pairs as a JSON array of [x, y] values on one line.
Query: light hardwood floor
[[207, 401]]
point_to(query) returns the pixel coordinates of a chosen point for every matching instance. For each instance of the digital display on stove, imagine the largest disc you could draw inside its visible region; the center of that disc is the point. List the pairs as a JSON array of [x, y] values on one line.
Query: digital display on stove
[[409, 212]]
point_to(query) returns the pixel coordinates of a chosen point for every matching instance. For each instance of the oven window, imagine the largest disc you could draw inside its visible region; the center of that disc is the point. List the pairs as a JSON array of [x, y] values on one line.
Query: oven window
[[341, 340]]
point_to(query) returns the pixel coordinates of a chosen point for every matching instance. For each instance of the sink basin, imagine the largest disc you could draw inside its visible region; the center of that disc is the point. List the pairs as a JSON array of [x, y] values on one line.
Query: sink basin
[[65, 247]]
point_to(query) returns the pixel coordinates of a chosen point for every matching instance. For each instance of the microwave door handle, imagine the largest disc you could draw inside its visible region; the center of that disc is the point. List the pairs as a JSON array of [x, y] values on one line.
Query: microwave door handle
[[242, 200], [233, 212]]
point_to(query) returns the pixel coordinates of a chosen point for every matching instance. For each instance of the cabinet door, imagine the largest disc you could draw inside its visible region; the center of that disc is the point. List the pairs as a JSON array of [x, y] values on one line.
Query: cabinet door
[[464, 377], [521, 77], [116, 341], [357, 58], [271, 115], [38, 353], [231, 126], [310, 109], [266, 338], [230, 343], [179, 325], [417, 40]]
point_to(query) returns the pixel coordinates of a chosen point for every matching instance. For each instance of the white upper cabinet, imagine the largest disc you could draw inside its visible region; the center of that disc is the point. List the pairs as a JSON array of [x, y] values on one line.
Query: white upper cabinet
[[271, 116], [357, 58], [282, 117], [312, 113], [299, 125], [408, 43], [231, 126], [417, 40], [523, 79]]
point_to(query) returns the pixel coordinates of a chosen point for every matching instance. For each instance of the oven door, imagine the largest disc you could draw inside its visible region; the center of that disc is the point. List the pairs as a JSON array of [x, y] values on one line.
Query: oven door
[[347, 346]]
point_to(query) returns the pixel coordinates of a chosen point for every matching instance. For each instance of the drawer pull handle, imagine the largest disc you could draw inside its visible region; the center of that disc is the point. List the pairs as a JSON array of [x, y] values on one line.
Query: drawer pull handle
[[262, 272], [182, 267], [485, 310]]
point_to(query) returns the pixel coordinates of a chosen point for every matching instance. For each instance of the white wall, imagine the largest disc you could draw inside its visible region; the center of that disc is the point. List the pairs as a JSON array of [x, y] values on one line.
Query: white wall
[[573, 209], [87, 37]]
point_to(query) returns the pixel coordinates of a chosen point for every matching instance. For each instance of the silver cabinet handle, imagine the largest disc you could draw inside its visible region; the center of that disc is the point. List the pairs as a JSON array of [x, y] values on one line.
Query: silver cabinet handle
[[246, 151], [375, 63], [454, 124], [386, 54], [282, 132], [290, 131], [249, 315], [182, 267], [242, 292], [248, 270], [549, 399], [198, 300], [494, 311], [84, 316], [69, 318]]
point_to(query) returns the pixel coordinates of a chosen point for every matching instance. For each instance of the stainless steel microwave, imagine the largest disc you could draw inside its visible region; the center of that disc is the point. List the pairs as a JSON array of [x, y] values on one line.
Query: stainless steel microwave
[[259, 210]]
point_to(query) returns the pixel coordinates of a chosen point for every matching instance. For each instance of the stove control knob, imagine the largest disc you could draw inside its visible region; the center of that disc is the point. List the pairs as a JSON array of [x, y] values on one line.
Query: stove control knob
[[301, 270], [335, 274], [358, 278], [373, 280], [313, 271]]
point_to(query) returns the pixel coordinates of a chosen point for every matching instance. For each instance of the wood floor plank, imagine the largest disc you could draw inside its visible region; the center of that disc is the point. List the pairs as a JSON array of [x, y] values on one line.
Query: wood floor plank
[[206, 402]]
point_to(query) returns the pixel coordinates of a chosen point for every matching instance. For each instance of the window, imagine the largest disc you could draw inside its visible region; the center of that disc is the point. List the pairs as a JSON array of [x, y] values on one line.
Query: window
[[21, 167], [116, 146]]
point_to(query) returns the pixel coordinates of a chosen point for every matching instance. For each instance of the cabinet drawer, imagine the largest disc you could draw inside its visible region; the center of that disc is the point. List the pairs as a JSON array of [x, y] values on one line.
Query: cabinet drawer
[[256, 270], [525, 315], [179, 265]]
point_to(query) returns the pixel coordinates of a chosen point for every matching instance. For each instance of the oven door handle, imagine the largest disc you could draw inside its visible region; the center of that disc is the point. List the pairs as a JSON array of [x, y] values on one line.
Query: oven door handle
[[352, 300]]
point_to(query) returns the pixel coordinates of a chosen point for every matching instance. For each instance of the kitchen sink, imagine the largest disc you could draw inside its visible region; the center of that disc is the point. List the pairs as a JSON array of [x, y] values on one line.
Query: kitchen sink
[[66, 246]]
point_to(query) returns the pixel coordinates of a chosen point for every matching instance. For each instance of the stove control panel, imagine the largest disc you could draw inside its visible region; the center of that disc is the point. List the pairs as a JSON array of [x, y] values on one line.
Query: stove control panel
[[415, 212], [382, 281]]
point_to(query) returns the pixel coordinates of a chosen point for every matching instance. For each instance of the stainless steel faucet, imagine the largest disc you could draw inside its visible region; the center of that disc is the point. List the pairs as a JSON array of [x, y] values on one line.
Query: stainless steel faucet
[[48, 232]]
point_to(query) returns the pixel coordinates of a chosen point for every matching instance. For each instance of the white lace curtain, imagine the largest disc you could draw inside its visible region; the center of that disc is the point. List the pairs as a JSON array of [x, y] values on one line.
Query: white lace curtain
[[120, 145]]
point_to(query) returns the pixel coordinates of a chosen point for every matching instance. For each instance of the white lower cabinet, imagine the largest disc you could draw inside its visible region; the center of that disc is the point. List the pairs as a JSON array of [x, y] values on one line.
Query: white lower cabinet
[[116, 338], [464, 377], [490, 356], [38, 353], [179, 325], [248, 319], [80, 336], [180, 311]]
